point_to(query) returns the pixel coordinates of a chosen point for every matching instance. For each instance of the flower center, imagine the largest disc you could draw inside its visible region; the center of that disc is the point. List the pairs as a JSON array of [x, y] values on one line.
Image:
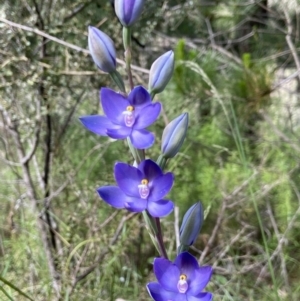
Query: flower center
[[129, 116], [144, 189], [182, 284]]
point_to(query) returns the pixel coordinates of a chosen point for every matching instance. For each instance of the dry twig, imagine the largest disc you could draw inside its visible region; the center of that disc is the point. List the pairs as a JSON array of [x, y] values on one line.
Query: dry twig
[[66, 44]]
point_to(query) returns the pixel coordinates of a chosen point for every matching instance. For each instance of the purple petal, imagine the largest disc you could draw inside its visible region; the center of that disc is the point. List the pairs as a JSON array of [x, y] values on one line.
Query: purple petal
[[119, 132], [139, 96], [113, 104], [96, 124], [147, 115], [150, 169], [158, 293], [187, 264], [136, 205], [167, 274], [161, 185], [113, 196], [200, 280], [160, 208], [128, 178], [200, 297], [141, 139]]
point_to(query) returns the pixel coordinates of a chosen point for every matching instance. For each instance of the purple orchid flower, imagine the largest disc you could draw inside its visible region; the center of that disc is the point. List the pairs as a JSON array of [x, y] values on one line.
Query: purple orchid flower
[[182, 280], [125, 117], [139, 188]]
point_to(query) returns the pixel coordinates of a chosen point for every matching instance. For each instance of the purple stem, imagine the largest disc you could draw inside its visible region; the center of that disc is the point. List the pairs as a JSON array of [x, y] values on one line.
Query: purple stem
[[159, 237]]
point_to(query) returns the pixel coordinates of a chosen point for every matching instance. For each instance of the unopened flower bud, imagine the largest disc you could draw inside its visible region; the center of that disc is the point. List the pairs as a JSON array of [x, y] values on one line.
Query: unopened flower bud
[[191, 225], [128, 11], [174, 135], [161, 72], [102, 50]]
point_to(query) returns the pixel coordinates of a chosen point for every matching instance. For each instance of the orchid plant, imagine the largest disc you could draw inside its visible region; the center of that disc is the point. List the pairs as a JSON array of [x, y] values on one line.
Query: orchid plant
[[142, 186]]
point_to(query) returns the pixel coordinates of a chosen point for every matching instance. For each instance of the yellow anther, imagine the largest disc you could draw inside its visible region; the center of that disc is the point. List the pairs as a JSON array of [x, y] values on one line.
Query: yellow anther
[[130, 108], [144, 182], [183, 277]]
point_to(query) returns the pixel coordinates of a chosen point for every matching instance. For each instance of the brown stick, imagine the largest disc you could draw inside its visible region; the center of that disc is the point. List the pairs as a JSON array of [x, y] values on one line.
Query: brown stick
[[31, 193], [69, 45]]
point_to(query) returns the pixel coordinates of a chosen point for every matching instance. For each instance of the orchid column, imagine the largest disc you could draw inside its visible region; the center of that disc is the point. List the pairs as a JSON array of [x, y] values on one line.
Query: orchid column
[[143, 186]]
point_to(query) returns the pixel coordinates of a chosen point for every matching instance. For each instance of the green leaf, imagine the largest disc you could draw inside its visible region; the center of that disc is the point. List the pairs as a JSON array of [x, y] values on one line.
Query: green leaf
[[15, 288]]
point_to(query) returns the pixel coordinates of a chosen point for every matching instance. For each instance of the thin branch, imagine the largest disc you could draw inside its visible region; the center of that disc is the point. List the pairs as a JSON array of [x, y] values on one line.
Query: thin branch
[[35, 143], [65, 184], [221, 215], [77, 10], [192, 45], [33, 197], [34, 146], [274, 56], [285, 81], [283, 239], [227, 53], [280, 246], [215, 231], [69, 45], [278, 132], [101, 256], [107, 221], [229, 245], [210, 31], [288, 38], [39, 15], [67, 121]]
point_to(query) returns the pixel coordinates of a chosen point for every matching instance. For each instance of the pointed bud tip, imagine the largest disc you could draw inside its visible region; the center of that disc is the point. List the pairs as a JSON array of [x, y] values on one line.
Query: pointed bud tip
[[191, 224], [161, 72], [102, 49], [174, 135]]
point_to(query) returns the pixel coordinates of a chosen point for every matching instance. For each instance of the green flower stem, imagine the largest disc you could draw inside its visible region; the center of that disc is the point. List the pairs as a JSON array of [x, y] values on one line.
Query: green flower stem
[[127, 54], [117, 78], [182, 248], [161, 162], [152, 94], [151, 228], [126, 37], [138, 154]]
